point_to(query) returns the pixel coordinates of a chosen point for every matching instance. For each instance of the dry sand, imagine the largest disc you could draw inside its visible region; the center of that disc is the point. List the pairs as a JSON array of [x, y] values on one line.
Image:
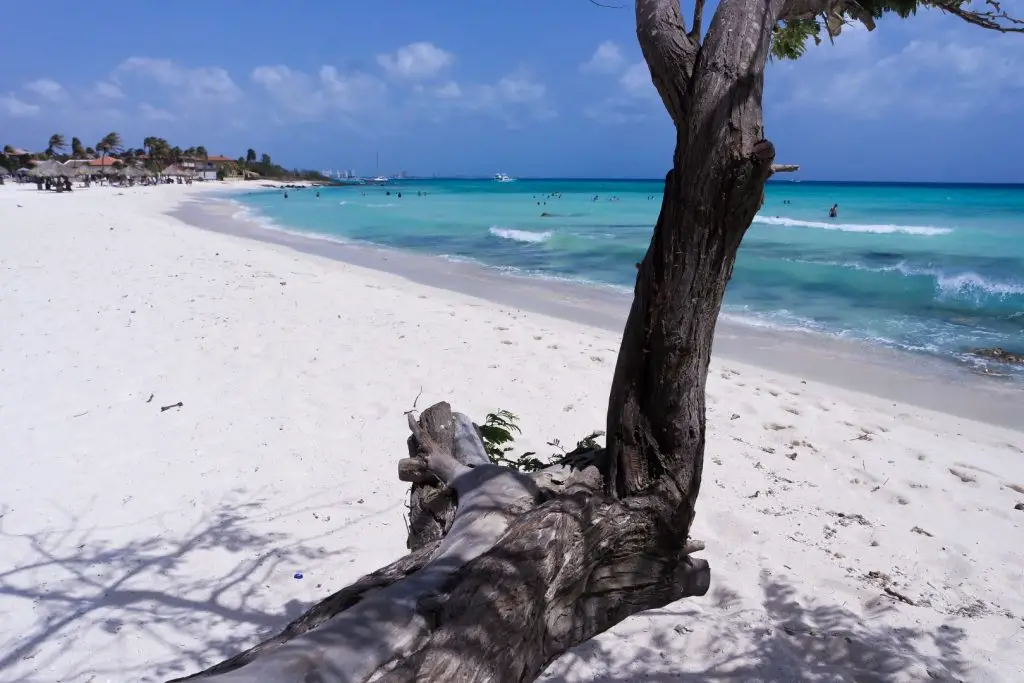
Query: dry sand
[[850, 537]]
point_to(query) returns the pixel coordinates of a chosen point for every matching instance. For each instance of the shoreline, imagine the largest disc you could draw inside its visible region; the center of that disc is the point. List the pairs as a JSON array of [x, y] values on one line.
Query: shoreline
[[202, 431], [924, 381]]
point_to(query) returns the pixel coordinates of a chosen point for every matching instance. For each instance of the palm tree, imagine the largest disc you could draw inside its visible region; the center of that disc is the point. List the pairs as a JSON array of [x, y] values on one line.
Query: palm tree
[[265, 159], [56, 144], [202, 153], [77, 151], [110, 144]]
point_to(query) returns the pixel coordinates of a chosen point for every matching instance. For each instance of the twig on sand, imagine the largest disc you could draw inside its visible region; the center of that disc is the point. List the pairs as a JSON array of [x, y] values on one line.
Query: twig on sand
[[179, 404], [414, 402], [81, 414], [150, 399], [899, 596]]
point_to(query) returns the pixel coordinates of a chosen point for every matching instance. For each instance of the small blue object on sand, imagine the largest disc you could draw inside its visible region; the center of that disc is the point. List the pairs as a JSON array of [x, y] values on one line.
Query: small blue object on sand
[[298, 575]]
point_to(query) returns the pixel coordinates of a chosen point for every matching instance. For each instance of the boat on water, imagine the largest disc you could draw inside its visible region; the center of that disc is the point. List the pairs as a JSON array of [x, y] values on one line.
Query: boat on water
[[378, 179], [503, 178]]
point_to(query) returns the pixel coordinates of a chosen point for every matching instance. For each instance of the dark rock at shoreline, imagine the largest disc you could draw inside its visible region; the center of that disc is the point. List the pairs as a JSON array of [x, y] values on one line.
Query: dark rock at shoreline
[[998, 354]]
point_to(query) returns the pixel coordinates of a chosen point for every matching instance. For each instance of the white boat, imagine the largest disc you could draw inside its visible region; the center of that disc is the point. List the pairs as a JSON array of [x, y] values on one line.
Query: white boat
[[379, 179], [503, 178]]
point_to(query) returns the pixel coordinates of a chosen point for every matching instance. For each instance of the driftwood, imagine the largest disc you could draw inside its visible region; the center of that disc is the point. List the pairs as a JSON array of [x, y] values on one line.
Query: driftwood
[[508, 570], [527, 567]]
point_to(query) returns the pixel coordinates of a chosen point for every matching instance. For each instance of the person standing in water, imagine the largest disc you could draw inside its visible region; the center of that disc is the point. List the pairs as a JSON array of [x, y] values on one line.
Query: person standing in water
[[834, 211]]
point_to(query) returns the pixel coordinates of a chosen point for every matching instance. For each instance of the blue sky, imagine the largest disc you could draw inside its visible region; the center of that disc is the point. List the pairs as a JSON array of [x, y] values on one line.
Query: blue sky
[[532, 88]]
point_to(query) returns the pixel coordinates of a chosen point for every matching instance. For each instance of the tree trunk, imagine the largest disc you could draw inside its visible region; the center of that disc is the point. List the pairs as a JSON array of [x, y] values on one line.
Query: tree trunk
[[508, 570]]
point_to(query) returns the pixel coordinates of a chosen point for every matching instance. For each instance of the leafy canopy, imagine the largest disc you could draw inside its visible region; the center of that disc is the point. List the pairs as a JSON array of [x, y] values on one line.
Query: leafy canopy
[[792, 36]]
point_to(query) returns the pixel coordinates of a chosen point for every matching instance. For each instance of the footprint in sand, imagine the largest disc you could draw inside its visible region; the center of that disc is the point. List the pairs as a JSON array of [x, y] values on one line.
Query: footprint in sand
[[965, 477], [776, 427]]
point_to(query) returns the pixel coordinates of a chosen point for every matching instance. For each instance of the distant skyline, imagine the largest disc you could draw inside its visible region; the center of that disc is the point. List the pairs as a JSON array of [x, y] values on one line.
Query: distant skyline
[[528, 88]]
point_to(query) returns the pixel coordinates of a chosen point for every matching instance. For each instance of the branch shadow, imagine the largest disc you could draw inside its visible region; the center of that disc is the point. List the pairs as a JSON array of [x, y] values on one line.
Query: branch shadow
[[93, 602], [792, 638]]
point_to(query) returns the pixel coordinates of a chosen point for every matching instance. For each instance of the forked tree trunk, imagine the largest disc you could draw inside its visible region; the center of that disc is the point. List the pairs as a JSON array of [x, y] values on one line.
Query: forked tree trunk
[[530, 565]]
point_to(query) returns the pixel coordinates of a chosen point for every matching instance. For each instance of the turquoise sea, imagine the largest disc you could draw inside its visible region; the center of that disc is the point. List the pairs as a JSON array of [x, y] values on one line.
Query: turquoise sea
[[934, 269]]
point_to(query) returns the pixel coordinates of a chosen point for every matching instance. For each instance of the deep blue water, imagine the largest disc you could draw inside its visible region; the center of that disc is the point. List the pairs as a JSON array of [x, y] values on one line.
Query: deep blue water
[[928, 268]]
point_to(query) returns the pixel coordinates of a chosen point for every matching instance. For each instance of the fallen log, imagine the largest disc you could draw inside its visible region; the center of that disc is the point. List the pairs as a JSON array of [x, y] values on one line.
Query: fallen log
[[528, 567]]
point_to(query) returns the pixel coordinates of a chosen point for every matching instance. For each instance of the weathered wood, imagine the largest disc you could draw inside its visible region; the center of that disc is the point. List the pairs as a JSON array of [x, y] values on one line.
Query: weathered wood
[[431, 508], [531, 565], [324, 611]]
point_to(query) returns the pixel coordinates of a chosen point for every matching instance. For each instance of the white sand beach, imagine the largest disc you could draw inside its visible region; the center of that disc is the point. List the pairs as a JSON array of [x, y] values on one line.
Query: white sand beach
[[850, 537]]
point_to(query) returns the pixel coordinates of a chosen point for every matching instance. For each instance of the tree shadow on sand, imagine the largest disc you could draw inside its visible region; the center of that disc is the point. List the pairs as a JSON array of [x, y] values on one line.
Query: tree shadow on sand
[[95, 603], [785, 641]]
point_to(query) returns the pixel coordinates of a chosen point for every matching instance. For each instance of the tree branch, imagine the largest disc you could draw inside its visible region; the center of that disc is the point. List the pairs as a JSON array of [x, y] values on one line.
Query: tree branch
[[995, 19], [669, 52], [531, 566], [698, 20], [836, 11]]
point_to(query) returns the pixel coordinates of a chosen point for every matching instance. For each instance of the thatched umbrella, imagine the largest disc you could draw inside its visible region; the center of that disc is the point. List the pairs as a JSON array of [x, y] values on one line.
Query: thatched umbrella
[[50, 169]]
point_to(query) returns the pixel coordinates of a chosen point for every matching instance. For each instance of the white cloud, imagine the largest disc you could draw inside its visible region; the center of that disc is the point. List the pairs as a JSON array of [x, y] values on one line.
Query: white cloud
[[306, 97], [151, 113], [416, 61], [187, 86], [48, 89], [17, 108], [632, 99], [636, 81], [108, 90], [351, 92], [615, 111], [607, 59], [941, 74], [513, 99], [294, 91]]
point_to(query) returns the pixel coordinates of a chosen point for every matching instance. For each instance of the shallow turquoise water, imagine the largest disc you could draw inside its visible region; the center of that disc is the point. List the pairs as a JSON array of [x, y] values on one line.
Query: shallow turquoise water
[[928, 268]]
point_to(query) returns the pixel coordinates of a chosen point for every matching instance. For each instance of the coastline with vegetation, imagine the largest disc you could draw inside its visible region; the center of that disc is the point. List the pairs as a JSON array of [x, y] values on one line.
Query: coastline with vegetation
[[156, 156]]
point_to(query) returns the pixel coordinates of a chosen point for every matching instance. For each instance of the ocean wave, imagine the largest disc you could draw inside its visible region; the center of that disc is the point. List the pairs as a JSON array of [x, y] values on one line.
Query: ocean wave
[[972, 283], [520, 235], [247, 214], [380, 206], [947, 284], [853, 227]]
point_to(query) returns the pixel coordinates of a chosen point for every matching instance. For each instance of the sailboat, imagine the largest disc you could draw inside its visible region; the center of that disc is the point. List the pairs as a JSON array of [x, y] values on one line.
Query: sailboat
[[378, 179]]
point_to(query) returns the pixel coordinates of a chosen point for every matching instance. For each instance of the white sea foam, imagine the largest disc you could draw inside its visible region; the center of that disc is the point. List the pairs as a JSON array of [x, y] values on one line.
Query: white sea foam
[[948, 284], [853, 227], [520, 235]]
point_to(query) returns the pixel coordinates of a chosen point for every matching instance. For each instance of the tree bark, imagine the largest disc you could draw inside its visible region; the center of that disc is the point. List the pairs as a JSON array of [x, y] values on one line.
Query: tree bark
[[530, 566], [508, 570]]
